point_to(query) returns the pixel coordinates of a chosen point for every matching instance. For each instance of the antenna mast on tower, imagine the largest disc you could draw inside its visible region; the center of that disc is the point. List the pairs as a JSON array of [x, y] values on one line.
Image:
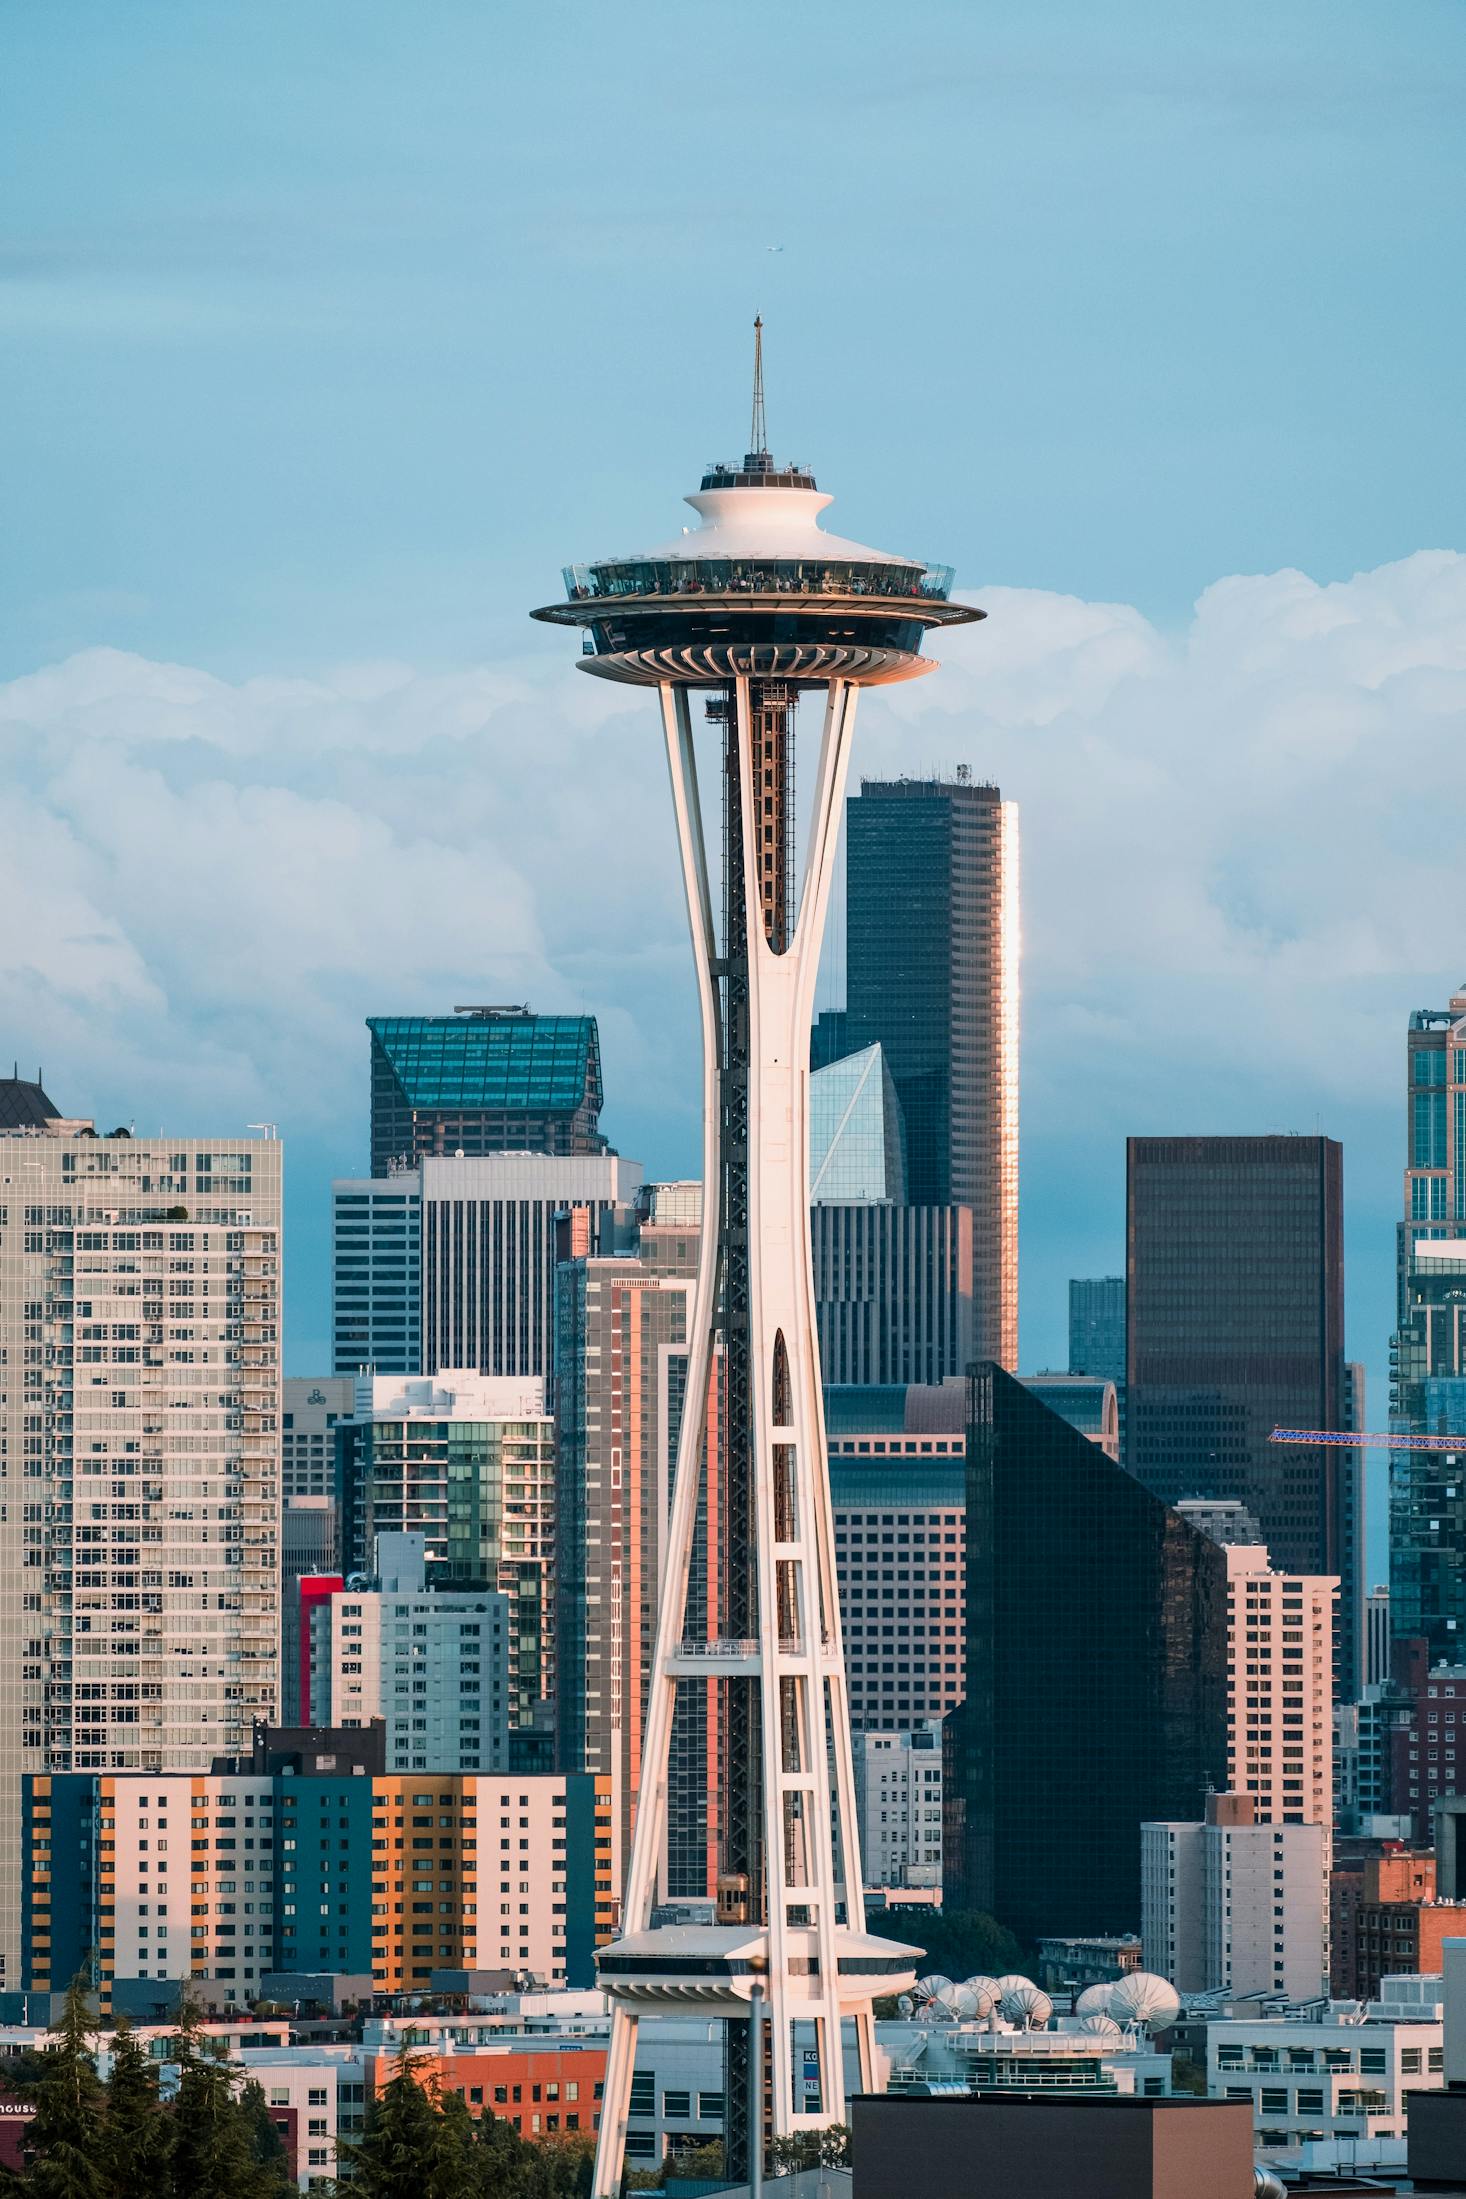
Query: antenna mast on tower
[[758, 440]]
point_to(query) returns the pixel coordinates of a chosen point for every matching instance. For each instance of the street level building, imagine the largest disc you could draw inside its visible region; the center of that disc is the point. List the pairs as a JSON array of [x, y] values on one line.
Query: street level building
[[140, 1445], [1328, 2088], [228, 1876]]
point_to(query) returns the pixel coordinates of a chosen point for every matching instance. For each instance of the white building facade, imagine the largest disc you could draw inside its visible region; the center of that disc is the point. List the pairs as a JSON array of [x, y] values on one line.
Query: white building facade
[[1330, 2091], [433, 1665], [898, 1799], [1232, 1906]]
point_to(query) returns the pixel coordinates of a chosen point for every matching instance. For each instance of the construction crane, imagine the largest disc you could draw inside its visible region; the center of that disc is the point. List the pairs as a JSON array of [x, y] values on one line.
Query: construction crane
[[1346, 1442]]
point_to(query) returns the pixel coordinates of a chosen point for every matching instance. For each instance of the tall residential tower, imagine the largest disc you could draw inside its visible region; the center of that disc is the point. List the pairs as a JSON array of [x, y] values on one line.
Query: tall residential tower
[[139, 1453]]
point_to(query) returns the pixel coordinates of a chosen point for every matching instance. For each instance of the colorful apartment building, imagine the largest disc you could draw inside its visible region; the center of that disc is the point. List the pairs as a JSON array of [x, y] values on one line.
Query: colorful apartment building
[[229, 1876]]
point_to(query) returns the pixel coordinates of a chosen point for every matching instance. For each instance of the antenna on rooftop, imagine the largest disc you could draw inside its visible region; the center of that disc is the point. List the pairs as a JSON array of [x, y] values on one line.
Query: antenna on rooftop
[[758, 440]]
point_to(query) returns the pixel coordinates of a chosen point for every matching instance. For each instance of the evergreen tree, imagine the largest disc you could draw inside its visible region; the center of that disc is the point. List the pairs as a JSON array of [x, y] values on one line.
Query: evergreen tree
[[61, 2141], [266, 2146], [213, 2136], [137, 2137], [398, 2150]]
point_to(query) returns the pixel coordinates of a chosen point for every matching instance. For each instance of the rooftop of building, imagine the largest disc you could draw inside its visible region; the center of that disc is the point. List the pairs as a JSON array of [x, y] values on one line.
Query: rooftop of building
[[503, 1059], [896, 1408], [24, 1105]]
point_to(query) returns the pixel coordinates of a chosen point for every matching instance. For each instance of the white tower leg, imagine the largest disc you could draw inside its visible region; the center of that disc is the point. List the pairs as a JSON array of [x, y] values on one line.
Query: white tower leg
[[812, 1863]]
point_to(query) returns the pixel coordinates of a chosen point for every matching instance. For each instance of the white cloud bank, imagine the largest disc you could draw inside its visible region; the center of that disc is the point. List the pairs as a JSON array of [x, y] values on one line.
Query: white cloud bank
[[1242, 862]]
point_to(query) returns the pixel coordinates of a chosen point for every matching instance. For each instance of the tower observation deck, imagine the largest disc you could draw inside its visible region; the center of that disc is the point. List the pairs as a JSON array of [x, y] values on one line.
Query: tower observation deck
[[757, 605]]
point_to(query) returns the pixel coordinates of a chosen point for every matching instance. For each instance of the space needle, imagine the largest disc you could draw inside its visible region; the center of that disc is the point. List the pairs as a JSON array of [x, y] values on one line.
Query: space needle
[[755, 607]]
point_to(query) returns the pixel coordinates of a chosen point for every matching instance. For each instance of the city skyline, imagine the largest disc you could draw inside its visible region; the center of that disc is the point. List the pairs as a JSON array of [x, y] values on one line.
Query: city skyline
[[329, 727], [842, 1554]]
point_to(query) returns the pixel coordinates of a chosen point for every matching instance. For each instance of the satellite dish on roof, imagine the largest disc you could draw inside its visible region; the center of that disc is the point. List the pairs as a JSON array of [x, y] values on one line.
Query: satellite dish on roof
[[929, 1990], [1143, 1998], [959, 2001], [1028, 2004], [1094, 2000], [1099, 2026], [984, 1991]]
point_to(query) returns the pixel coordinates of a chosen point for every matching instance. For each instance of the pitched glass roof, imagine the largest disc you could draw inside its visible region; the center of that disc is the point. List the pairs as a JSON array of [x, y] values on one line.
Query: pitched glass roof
[[537, 1064]]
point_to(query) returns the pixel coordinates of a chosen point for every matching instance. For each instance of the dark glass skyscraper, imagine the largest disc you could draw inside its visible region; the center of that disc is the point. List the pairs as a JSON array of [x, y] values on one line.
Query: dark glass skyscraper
[[932, 977], [484, 1080], [1235, 1326], [1096, 1684], [1097, 1326]]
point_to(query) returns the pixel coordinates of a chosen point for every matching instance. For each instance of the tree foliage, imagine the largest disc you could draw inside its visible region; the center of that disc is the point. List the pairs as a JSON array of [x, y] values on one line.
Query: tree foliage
[[420, 2142], [827, 2148], [122, 2140], [960, 1943]]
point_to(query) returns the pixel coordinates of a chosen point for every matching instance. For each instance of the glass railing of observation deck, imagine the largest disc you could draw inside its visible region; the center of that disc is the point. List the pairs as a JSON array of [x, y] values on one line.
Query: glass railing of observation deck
[[687, 576]]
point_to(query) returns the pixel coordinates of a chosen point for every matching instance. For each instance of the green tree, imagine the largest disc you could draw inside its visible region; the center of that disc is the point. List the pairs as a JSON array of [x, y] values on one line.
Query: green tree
[[136, 2139], [61, 2140], [411, 2148], [214, 2139], [266, 2146], [827, 2148]]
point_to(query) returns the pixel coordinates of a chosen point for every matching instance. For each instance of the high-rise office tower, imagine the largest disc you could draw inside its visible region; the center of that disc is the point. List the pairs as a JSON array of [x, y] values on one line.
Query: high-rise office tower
[[893, 1283], [484, 1080], [897, 1476], [932, 978], [451, 1264], [467, 1461], [1097, 1326], [140, 1444], [1235, 1326], [1096, 1674], [753, 608], [376, 1274], [1428, 1351], [893, 1291], [624, 1322]]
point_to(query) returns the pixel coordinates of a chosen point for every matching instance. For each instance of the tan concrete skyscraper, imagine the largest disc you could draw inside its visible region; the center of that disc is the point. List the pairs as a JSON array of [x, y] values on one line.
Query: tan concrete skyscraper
[[139, 1453]]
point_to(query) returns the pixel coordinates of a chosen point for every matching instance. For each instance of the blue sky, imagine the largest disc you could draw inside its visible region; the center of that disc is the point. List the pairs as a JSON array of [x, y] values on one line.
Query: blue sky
[[333, 330]]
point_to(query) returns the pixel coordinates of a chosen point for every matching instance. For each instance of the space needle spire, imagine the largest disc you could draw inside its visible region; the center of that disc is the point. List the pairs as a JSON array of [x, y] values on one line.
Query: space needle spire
[[751, 609], [758, 438]]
